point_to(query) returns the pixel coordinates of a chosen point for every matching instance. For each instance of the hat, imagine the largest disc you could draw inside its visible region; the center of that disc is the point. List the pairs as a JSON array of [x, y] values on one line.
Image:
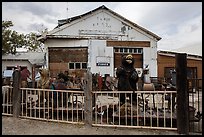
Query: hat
[[129, 56]]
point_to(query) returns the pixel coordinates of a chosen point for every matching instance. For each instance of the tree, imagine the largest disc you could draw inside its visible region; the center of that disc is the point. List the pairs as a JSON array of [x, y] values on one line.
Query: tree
[[31, 42], [11, 40], [7, 37]]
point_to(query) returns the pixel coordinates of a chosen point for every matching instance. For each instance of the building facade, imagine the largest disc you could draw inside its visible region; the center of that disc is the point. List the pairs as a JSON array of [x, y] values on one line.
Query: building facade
[[167, 61], [97, 40], [31, 60]]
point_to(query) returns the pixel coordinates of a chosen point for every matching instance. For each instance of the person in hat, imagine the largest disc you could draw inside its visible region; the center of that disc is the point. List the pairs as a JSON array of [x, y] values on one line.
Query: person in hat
[[127, 78]]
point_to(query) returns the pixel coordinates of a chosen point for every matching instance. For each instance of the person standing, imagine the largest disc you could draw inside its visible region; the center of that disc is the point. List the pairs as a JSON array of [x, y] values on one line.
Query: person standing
[[127, 78], [25, 75]]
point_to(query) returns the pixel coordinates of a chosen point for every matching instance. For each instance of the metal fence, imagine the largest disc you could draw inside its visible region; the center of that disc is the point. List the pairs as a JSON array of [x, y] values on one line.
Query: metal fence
[[53, 105], [195, 105], [7, 100], [50, 105], [151, 109]]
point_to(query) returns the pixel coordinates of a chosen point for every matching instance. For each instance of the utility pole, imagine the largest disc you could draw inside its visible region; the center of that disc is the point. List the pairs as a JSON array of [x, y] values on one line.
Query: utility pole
[[67, 10]]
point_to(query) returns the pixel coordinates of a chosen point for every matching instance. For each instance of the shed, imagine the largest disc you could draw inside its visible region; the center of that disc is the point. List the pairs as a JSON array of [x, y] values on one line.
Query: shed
[[31, 60]]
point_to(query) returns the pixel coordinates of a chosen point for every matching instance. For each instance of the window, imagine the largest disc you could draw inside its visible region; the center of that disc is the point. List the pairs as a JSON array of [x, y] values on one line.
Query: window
[[10, 67], [130, 50], [139, 50], [121, 50], [116, 49], [135, 50], [77, 65], [84, 65], [71, 65]]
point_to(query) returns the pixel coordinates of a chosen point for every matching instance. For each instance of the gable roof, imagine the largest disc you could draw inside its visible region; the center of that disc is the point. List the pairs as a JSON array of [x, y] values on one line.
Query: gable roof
[[69, 20]]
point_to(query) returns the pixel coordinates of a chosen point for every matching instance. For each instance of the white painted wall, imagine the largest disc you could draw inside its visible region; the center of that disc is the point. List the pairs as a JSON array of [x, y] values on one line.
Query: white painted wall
[[150, 58], [104, 24], [98, 49]]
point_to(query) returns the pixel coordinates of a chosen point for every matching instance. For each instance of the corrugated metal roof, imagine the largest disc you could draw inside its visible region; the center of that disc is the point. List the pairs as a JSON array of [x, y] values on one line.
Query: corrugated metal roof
[[32, 57]]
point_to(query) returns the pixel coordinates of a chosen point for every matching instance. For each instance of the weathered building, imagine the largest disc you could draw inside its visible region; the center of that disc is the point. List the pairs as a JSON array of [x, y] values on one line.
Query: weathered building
[[31, 60], [167, 61], [97, 40]]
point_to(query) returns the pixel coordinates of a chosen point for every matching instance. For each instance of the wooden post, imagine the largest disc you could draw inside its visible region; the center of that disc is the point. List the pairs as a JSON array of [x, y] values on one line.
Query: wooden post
[[16, 93], [88, 99], [182, 94]]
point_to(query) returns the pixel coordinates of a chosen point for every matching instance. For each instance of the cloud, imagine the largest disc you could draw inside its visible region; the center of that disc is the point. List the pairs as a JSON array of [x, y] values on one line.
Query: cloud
[[29, 13], [189, 33], [177, 23]]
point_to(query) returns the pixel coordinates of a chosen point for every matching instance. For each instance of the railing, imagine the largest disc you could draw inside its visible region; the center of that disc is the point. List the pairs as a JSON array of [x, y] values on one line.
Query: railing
[[50, 105], [53, 105], [7, 104], [150, 110], [195, 104]]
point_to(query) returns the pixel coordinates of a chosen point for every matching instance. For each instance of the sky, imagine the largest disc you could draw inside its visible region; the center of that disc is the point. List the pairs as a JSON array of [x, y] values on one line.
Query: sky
[[179, 24]]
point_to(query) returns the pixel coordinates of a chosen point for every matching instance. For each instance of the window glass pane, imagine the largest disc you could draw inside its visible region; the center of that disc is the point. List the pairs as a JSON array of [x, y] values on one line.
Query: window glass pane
[[139, 50], [78, 65], [130, 50], [84, 65], [135, 50], [121, 50], [125, 50], [71, 65], [116, 50]]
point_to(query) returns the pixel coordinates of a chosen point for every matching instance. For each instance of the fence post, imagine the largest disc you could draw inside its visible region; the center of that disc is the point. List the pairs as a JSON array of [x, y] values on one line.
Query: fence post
[[182, 94], [88, 99], [16, 99]]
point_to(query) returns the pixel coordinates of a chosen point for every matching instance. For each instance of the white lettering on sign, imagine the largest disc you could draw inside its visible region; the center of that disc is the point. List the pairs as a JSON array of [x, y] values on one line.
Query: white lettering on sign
[[102, 61]]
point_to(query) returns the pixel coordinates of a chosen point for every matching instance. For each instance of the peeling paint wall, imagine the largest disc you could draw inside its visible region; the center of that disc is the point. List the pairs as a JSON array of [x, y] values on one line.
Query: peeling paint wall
[[98, 27], [102, 24], [101, 54]]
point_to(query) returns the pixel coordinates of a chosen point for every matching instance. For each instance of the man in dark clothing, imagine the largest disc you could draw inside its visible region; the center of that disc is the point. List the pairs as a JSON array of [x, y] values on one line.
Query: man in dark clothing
[[127, 78]]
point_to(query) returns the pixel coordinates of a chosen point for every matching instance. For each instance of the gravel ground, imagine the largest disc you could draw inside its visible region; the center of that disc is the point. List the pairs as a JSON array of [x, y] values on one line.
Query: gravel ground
[[19, 126]]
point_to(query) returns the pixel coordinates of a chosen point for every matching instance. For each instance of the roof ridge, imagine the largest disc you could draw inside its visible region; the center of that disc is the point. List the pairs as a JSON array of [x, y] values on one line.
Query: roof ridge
[[68, 20]]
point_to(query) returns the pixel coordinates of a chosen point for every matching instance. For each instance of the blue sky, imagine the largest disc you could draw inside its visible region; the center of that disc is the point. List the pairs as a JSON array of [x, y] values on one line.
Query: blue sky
[[179, 24]]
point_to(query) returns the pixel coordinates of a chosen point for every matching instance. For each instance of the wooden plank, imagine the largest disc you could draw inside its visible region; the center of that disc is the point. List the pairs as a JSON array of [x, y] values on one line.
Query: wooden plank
[[128, 43]]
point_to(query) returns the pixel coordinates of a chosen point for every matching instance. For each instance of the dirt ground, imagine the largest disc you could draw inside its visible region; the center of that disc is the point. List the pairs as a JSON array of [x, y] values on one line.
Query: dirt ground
[[19, 126]]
